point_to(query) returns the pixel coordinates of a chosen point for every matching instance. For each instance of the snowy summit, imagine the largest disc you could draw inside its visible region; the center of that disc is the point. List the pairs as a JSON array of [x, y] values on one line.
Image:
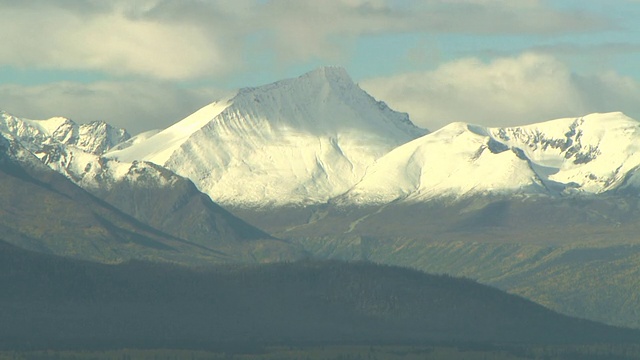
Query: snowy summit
[[587, 155], [296, 141]]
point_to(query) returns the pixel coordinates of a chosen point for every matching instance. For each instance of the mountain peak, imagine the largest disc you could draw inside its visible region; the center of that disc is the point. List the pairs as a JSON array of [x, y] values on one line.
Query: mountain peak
[[608, 116], [330, 74], [95, 137], [321, 81], [297, 141]]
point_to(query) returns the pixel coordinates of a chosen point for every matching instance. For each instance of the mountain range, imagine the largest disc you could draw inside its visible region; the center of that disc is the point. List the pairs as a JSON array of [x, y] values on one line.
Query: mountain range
[[295, 142], [325, 170], [593, 154], [101, 207], [320, 139]]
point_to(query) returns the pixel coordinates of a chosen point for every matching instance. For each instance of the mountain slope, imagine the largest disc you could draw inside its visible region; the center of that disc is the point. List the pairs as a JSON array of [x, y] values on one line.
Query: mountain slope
[[297, 141], [171, 203], [512, 207], [44, 211], [95, 138], [575, 255], [592, 154], [148, 192], [141, 305], [452, 161], [588, 155]]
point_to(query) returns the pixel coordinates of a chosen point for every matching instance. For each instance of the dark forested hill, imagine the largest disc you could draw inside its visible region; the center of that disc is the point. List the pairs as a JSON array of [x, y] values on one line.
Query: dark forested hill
[[53, 302]]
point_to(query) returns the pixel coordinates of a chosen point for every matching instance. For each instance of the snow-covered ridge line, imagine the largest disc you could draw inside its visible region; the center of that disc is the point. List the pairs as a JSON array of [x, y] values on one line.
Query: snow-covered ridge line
[[74, 150], [158, 147], [320, 138], [96, 137], [71, 149], [592, 154]]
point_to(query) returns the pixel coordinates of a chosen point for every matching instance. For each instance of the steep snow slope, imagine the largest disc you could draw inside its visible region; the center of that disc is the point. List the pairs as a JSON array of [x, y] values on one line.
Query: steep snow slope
[[136, 139], [296, 141], [587, 155], [158, 147], [456, 160]]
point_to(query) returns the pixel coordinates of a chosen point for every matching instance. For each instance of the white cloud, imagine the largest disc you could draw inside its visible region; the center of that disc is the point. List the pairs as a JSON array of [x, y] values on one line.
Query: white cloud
[[186, 39], [111, 41], [132, 105], [507, 91], [147, 40]]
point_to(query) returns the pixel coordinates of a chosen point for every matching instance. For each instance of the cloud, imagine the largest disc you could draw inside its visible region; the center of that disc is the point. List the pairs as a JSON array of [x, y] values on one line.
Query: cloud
[[136, 106], [188, 39], [507, 91], [108, 40]]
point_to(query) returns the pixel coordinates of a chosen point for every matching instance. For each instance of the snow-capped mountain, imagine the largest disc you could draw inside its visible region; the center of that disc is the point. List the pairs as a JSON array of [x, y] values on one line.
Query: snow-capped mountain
[[587, 155], [296, 141], [75, 150], [70, 148], [319, 138], [150, 193], [592, 154], [96, 137]]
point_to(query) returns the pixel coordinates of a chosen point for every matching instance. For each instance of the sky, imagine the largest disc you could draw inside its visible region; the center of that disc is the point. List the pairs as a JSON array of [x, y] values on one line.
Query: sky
[[145, 64]]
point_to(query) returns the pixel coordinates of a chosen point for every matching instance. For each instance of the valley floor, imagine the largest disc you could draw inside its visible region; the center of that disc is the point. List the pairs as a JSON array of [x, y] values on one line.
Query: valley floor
[[482, 352]]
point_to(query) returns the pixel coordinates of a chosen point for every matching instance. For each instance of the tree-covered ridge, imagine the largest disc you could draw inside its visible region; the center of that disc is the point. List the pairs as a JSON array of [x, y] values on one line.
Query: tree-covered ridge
[[52, 302]]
